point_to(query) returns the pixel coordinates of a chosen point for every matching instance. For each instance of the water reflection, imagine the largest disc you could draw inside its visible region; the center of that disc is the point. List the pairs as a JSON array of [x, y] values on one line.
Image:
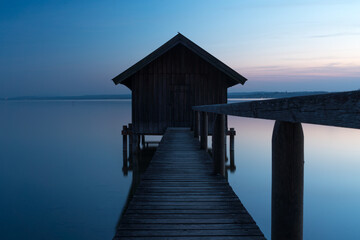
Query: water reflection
[[331, 181], [60, 169], [137, 164]]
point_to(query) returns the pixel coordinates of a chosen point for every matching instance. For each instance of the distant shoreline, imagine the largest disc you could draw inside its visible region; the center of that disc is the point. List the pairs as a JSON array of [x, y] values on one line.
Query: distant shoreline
[[231, 95]]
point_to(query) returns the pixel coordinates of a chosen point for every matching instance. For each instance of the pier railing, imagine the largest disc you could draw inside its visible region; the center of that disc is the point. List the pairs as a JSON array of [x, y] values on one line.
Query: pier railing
[[333, 109]]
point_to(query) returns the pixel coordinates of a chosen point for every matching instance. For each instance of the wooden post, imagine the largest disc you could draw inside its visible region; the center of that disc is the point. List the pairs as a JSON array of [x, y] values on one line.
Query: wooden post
[[124, 133], [204, 131], [125, 165], [226, 133], [232, 134], [232, 137], [143, 140], [232, 149], [125, 168], [219, 144], [287, 181], [196, 124], [130, 141]]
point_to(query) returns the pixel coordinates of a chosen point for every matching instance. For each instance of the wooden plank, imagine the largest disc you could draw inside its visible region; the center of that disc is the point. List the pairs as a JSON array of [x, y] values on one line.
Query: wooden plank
[[184, 207], [195, 238], [183, 211], [217, 220], [333, 109], [190, 232], [180, 197], [187, 226], [165, 90]]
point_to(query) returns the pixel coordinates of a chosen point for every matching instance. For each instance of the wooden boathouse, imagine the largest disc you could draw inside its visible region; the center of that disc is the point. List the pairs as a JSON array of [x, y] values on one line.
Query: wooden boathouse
[[180, 91], [167, 83]]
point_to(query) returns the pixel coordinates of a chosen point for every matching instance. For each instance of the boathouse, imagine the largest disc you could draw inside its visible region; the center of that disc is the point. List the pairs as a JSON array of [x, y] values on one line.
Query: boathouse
[[169, 81]]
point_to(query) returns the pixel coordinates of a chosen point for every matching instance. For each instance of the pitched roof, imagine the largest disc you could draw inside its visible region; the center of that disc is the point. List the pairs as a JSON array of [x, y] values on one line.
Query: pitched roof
[[181, 39]]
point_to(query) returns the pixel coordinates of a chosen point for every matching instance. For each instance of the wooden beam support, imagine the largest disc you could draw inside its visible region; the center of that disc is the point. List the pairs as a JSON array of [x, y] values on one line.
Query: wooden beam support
[[131, 141], [124, 133], [219, 144], [287, 181], [232, 134], [196, 124], [204, 131], [333, 109]]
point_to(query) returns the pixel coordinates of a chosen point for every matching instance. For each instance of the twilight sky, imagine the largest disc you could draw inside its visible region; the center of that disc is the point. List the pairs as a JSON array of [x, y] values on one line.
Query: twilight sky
[[50, 47]]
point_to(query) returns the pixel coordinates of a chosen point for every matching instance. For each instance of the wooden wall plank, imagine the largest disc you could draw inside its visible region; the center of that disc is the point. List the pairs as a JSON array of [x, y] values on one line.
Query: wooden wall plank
[[179, 74]]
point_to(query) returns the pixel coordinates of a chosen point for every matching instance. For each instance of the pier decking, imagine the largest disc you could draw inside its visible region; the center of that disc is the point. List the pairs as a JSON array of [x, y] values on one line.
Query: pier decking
[[179, 197]]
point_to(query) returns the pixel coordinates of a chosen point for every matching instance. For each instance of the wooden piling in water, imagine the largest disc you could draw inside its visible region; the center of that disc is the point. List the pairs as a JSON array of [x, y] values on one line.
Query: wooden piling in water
[[288, 146], [219, 144], [204, 130], [232, 134], [130, 132], [125, 165], [124, 133], [287, 181]]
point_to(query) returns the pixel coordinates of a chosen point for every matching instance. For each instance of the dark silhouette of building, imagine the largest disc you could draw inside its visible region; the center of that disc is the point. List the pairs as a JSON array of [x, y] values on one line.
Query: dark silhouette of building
[[172, 79]]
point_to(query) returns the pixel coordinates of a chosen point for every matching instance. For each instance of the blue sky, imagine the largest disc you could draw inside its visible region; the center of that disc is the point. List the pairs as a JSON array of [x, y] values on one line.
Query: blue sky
[[76, 47]]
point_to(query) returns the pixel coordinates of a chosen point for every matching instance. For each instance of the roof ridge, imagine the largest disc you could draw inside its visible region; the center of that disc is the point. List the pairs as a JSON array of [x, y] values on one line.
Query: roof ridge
[[180, 39]]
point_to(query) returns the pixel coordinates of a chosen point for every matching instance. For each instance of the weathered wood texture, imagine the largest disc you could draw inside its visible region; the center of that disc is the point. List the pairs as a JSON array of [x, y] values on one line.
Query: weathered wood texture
[[164, 91], [179, 197], [287, 195], [204, 130], [218, 148], [333, 109]]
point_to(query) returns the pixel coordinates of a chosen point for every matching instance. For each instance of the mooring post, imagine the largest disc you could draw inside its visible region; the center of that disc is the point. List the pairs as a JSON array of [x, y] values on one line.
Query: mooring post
[[124, 133], [219, 144], [227, 132], [204, 131], [232, 134], [125, 167], [130, 132], [287, 181], [196, 124]]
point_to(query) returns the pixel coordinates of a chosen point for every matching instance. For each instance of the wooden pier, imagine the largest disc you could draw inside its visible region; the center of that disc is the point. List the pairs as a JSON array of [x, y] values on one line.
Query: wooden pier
[[180, 197], [183, 194]]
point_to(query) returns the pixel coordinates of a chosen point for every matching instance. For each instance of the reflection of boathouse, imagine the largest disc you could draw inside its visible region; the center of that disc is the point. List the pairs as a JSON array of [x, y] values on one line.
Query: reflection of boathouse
[[172, 79]]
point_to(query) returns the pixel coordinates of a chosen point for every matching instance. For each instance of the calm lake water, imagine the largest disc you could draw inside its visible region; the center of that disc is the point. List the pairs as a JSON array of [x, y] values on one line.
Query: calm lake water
[[61, 172]]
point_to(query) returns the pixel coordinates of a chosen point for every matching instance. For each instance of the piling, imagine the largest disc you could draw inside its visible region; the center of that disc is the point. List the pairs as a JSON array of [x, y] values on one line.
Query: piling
[[204, 131], [287, 181], [219, 144]]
